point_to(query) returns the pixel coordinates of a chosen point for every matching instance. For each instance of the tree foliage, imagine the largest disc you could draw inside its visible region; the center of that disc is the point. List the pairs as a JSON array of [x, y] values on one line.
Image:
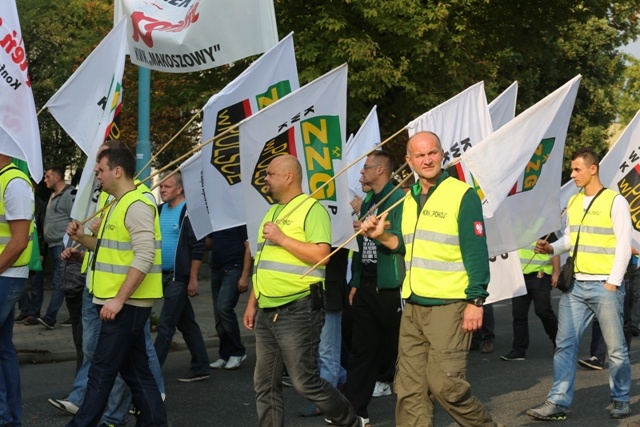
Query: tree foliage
[[406, 56]]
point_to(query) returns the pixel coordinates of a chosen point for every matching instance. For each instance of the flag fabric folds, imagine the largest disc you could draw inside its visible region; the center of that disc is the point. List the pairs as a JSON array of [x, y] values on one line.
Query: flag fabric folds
[[365, 140], [309, 124], [268, 79], [19, 132], [185, 36], [503, 108]]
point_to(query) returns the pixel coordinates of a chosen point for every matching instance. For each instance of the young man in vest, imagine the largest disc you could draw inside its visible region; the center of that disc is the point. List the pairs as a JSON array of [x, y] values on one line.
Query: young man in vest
[[16, 226], [604, 249], [541, 273], [375, 293], [56, 219], [125, 279], [182, 256], [284, 309], [447, 264]]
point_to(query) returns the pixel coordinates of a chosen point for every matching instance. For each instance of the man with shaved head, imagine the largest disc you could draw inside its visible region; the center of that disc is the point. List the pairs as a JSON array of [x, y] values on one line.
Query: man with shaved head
[[447, 264], [284, 309]]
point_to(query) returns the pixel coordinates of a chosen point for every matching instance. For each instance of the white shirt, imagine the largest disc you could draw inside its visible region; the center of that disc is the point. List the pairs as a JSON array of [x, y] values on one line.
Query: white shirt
[[621, 219]]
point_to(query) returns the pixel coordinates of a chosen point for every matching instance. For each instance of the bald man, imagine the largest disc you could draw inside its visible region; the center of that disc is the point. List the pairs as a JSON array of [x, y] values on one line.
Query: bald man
[[284, 309]]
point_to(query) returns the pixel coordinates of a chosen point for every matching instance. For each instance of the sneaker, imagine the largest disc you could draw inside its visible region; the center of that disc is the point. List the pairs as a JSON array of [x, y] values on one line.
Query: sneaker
[[513, 355], [591, 363], [381, 389], [620, 409], [44, 322], [486, 347], [191, 377], [548, 411], [106, 424], [234, 362], [30, 321], [20, 318], [286, 379], [66, 323], [309, 410], [362, 422], [65, 405], [218, 364]]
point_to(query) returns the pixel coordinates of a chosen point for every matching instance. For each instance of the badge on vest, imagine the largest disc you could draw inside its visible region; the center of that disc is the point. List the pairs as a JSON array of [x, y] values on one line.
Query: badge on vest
[[478, 228], [387, 225]]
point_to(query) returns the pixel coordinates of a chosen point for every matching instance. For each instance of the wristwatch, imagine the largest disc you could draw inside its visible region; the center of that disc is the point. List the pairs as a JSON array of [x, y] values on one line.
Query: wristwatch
[[478, 302]]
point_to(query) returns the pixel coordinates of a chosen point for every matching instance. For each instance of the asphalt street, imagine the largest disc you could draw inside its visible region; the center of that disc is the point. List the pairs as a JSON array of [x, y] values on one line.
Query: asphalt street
[[227, 398]]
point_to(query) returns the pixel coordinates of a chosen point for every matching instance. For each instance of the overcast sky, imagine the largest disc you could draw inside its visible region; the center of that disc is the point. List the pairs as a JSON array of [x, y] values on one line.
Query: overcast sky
[[633, 48]]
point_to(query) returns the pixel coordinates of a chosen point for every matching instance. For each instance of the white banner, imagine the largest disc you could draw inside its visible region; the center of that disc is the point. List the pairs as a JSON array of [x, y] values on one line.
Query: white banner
[[503, 108], [310, 124], [270, 78], [365, 140], [620, 171], [84, 106], [193, 35], [496, 164], [19, 132]]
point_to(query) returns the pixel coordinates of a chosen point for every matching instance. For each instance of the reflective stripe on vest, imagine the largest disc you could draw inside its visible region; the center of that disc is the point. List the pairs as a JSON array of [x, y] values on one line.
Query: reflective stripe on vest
[[114, 254], [597, 245], [532, 262], [277, 273], [433, 258], [7, 174]]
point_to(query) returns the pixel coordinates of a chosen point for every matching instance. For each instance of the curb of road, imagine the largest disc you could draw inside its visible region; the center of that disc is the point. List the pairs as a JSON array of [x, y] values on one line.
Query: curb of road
[[34, 357]]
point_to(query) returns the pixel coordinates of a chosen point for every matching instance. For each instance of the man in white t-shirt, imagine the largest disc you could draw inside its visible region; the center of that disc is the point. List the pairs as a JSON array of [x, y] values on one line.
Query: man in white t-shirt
[[16, 217]]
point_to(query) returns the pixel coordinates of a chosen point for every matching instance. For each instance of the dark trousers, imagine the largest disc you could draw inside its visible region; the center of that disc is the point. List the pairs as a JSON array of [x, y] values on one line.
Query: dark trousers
[[538, 291], [488, 325], [121, 348], [374, 341], [74, 305]]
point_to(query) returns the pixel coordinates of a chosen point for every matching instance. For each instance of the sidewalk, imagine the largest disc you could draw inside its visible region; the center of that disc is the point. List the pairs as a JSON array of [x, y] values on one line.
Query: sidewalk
[[36, 344]]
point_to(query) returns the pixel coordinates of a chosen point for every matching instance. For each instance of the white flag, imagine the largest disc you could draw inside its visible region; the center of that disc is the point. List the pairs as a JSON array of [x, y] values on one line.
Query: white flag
[[503, 108], [501, 167], [184, 36], [84, 106], [271, 77], [365, 140], [460, 122], [19, 133], [620, 171], [310, 124]]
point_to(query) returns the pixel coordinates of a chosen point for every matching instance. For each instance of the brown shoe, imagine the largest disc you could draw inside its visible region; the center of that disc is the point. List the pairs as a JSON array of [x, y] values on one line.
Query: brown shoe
[[30, 321], [486, 347]]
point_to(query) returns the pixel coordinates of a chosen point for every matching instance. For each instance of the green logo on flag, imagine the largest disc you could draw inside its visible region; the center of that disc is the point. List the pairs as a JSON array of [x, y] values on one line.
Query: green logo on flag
[[322, 142]]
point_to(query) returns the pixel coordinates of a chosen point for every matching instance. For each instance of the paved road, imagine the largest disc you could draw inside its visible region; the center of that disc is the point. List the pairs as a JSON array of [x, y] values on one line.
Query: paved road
[[227, 398]]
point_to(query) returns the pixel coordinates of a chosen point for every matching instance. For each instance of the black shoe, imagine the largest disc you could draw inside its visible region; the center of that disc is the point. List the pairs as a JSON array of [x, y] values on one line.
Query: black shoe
[[20, 318], [66, 323], [286, 379], [513, 355], [44, 322], [591, 363], [191, 377], [486, 347]]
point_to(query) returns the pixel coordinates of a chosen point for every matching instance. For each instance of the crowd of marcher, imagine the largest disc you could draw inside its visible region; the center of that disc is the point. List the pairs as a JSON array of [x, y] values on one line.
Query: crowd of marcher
[[400, 319]]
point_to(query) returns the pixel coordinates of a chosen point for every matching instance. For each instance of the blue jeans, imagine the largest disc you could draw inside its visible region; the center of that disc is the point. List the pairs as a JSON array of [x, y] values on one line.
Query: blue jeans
[[31, 301], [57, 297], [11, 290], [177, 311], [577, 308], [289, 336], [224, 293], [121, 349], [329, 351], [117, 411]]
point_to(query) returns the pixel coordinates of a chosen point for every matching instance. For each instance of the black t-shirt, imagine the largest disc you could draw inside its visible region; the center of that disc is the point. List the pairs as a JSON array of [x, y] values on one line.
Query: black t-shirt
[[227, 249]]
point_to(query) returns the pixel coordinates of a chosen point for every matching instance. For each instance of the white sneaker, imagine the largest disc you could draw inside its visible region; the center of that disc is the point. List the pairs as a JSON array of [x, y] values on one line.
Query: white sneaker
[[234, 362], [64, 405], [381, 389], [218, 364]]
